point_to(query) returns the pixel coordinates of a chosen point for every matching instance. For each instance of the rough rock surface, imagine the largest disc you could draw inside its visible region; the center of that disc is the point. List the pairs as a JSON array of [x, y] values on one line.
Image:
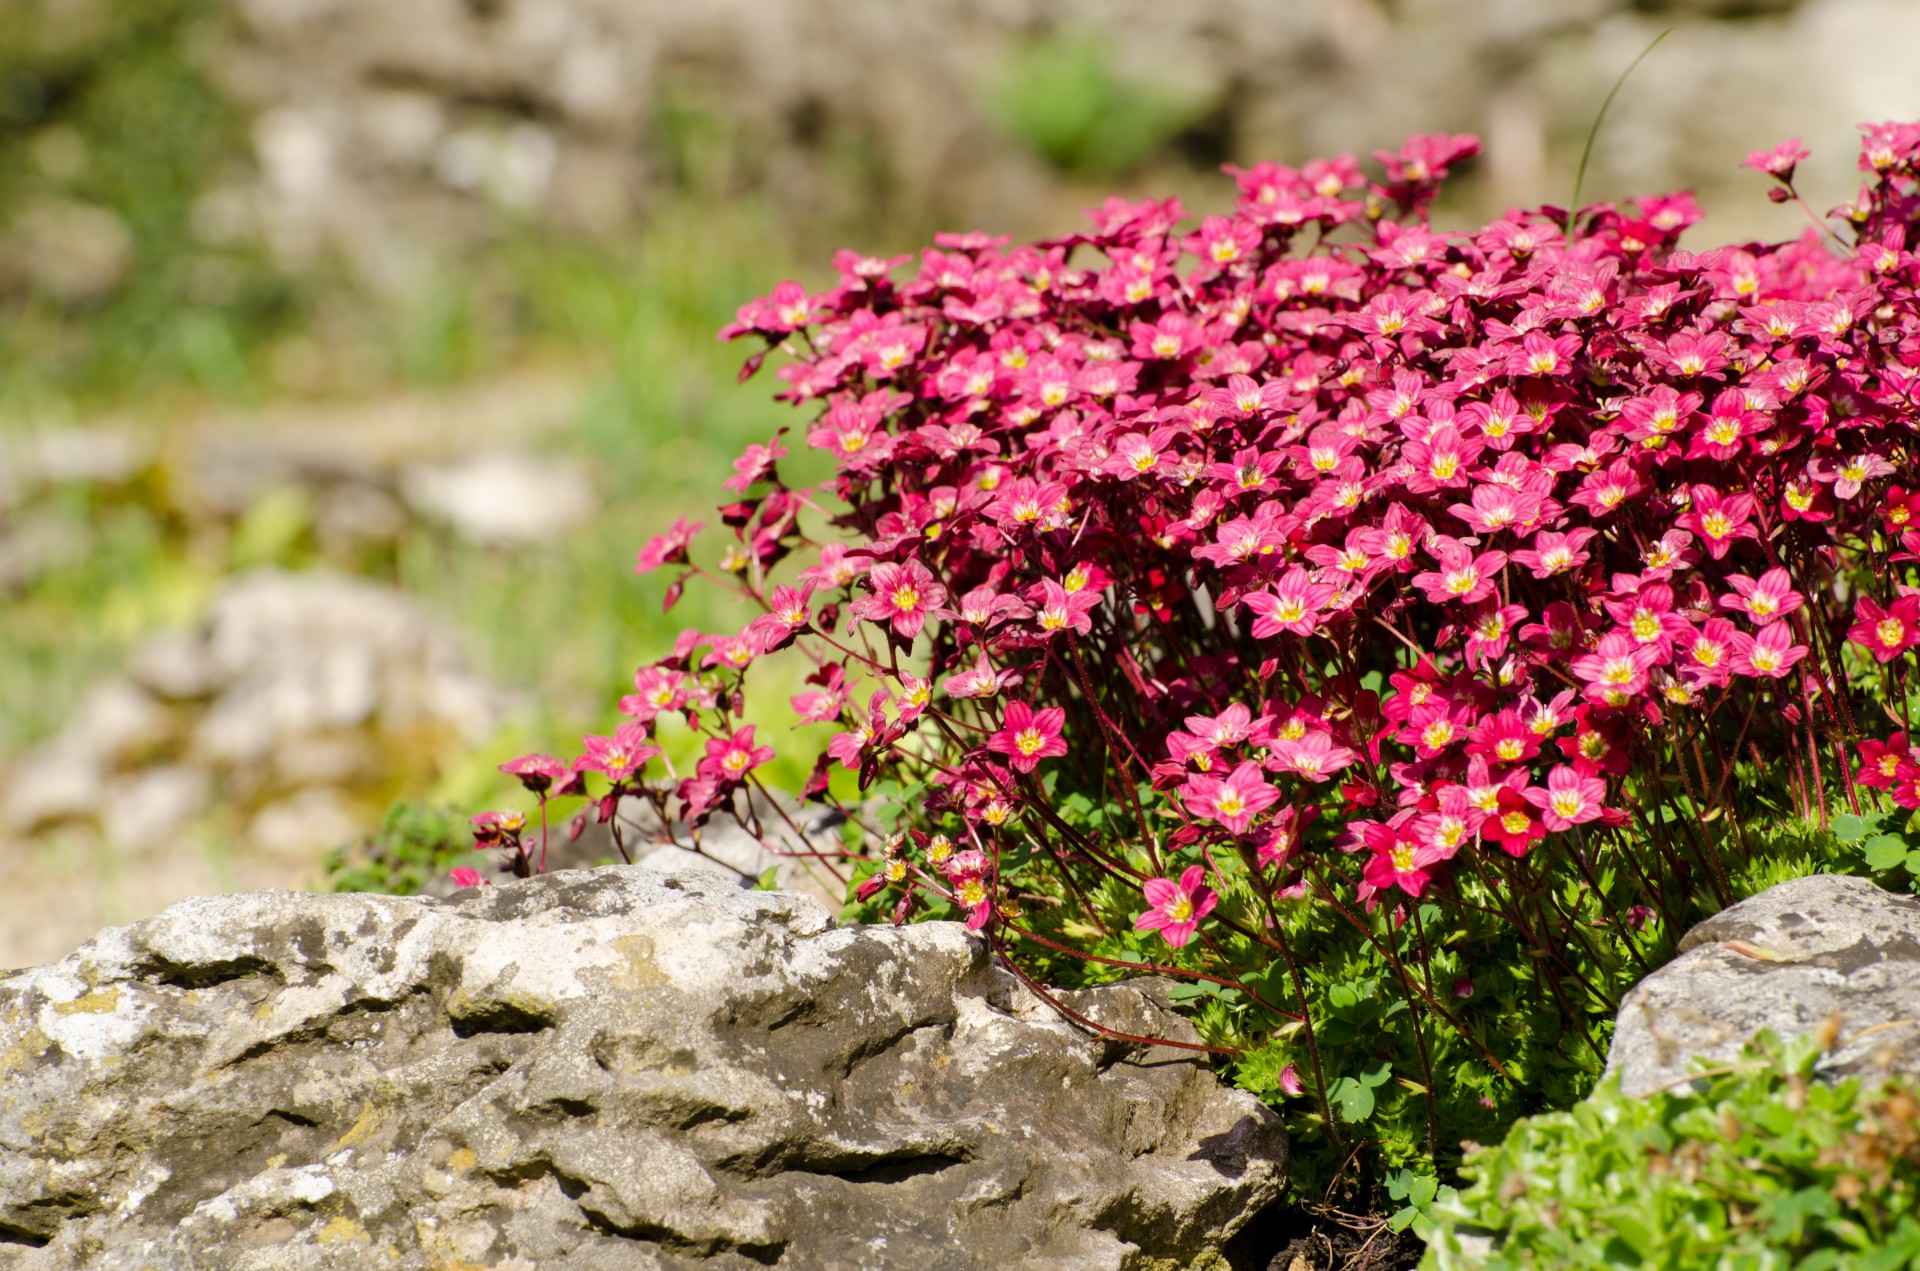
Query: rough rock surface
[[595, 1069], [1786, 960]]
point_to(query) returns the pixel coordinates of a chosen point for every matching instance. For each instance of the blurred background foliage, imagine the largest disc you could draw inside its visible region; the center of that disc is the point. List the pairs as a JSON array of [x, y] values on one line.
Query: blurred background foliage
[[272, 269]]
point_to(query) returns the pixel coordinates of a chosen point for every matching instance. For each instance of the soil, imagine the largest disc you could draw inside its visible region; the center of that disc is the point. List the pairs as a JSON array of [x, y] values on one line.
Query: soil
[[1294, 1237]]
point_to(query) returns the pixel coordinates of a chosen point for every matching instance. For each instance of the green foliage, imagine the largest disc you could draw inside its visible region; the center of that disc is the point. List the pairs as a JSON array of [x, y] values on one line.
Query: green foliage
[[1751, 1165], [1884, 846], [1062, 98], [415, 843], [1405, 1088]]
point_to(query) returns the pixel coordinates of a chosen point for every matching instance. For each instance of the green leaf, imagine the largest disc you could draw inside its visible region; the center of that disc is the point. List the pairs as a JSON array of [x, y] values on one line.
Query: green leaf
[[1850, 828], [1354, 1100], [1885, 851], [768, 880]]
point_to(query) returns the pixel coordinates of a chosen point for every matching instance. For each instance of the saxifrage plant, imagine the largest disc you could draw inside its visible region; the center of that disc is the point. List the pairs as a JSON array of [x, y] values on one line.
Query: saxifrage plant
[[1390, 633]]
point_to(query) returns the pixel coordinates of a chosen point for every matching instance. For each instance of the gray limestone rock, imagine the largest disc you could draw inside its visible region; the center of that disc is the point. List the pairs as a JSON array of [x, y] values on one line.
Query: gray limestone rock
[[610, 1068], [1786, 960]]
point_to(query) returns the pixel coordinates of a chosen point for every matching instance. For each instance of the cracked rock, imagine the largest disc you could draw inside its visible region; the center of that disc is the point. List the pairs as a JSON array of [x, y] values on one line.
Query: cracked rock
[[1787, 960], [610, 1068]]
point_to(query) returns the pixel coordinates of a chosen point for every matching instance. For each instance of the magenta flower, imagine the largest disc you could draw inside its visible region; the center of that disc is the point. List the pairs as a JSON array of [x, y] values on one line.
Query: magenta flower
[[1315, 757], [1764, 601], [669, 548], [1027, 736], [617, 757], [542, 774], [971, 875], [1778, 162], [732, 758], [1399, 857], [1290, 607], [1055, 609], [1463, 575], [981, 680], [1233, 800], [463, 876], [1177, 908], [902, 595], [1719, 519], [1569, 798], [1769, 655], [1889, 632]]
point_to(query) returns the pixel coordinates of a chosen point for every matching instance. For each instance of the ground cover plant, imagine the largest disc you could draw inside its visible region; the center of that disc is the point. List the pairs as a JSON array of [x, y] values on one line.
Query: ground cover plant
[[1756, 1164], [1397, 637]]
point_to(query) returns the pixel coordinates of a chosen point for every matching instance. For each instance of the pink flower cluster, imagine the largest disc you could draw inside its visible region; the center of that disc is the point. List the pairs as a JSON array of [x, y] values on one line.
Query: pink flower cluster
[[1311, 513]]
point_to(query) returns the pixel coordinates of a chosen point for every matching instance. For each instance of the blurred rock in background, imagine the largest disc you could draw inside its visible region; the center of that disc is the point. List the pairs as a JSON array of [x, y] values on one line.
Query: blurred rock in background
[[377, 124]]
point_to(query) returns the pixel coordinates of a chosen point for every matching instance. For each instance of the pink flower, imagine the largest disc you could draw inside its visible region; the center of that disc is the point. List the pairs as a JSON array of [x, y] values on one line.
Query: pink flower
[[732, 758], [980, 681], [1462, 575], [1292, 605], [617, 757], [1769, 655], [971, 875], [824, 704], [1542, 354], [1555, 553], [755, 462], [1056, 609], [1765, 601], [1719, 519], [669, 548], [1881, 763], [656, 690], [1399, 857], [1617, 670], [1027, 736], [1314, 757], [1889, 632], [1569, 798], [902, 595], [788, 615], [1177, 908], [463, 877], [543, 773], [1778, 162], [1707, 655], [1289, 1081], [1233, 800]]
